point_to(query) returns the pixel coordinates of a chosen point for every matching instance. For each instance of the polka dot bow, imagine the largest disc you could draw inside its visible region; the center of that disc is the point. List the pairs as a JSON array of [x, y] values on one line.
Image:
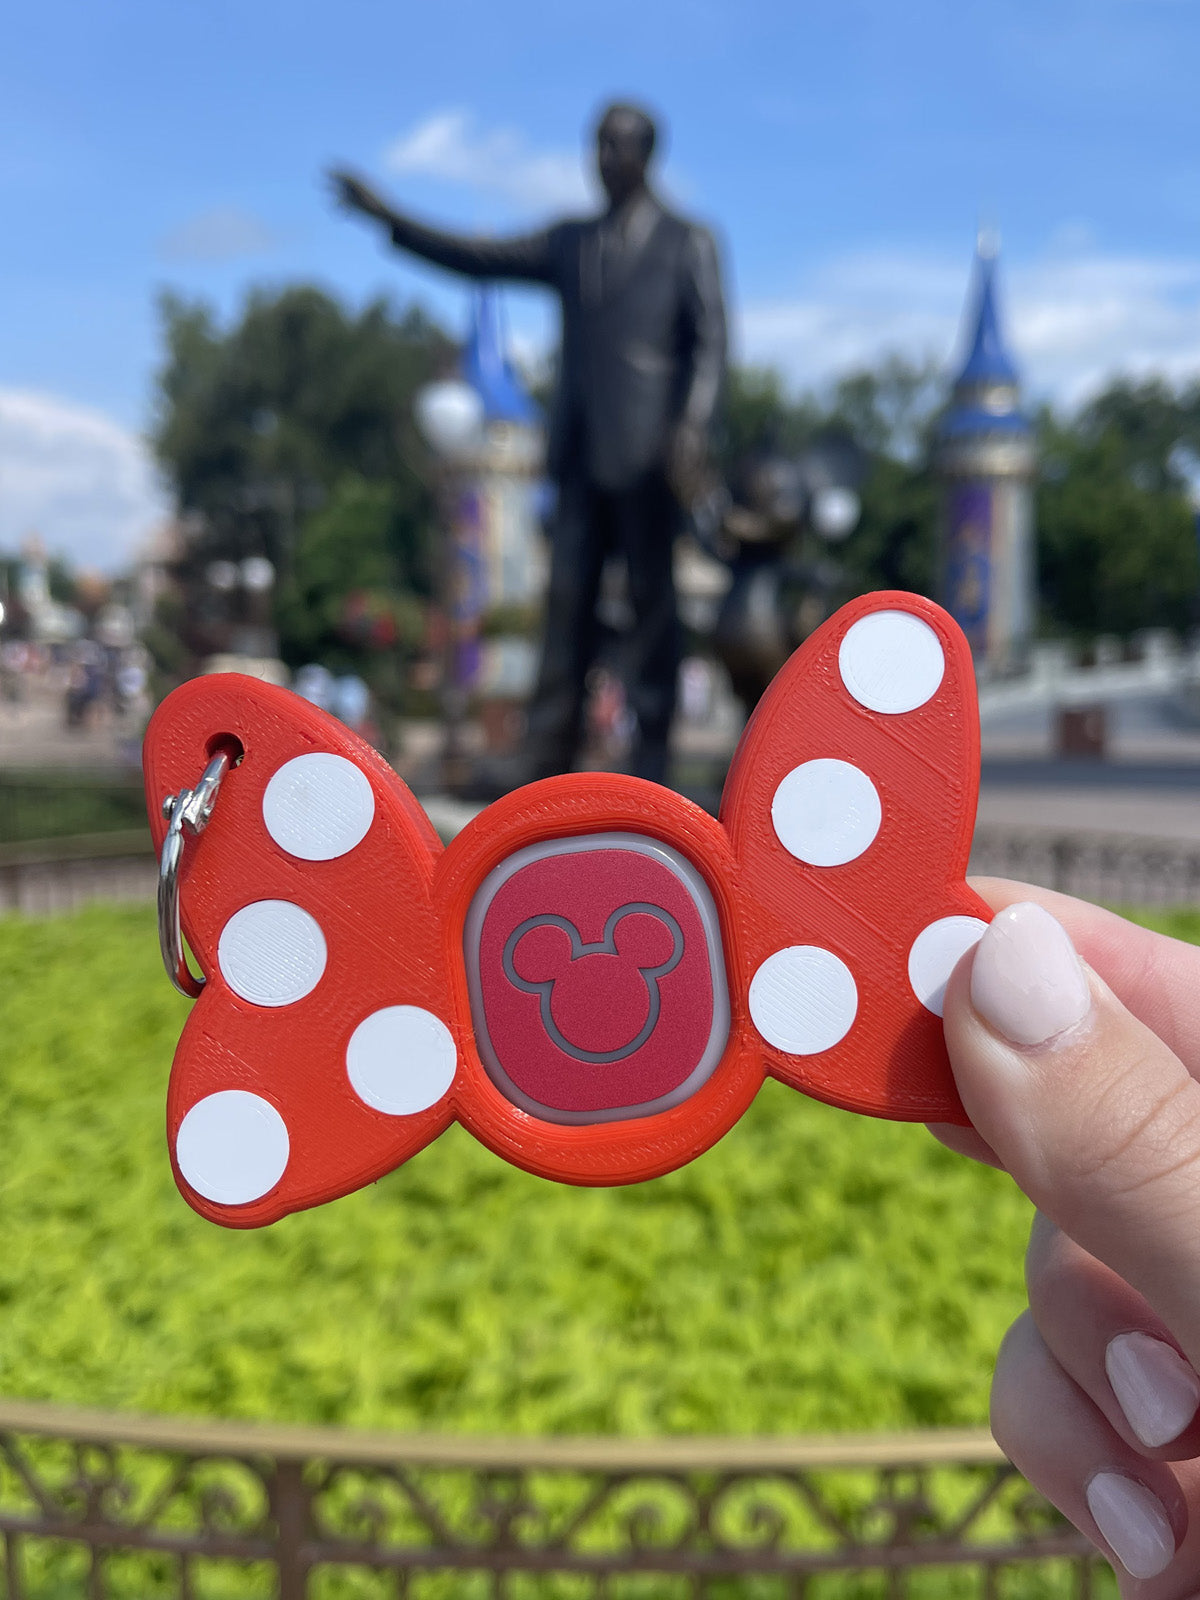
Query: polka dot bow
[[596, 975]]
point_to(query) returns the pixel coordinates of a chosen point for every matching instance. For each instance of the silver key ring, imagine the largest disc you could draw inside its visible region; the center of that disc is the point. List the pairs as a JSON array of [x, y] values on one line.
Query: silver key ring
[[190, 809]]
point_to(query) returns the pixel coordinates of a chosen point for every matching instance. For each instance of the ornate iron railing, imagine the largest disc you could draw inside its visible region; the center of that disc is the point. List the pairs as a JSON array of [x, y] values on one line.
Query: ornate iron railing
[[114, 1507], [61, 803], [1117, 869], [43, 877]]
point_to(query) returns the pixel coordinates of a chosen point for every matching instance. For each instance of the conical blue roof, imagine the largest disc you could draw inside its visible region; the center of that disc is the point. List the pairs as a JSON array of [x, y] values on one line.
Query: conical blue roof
[[486, 366], [988, 361]]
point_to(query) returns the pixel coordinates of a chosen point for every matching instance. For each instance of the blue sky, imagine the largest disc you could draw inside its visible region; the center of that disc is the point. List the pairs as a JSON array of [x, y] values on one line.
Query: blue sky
[[845, 151]]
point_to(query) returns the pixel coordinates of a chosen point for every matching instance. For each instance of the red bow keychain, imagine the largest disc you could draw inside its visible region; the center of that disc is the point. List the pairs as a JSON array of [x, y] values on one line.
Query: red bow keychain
[[595, 976]]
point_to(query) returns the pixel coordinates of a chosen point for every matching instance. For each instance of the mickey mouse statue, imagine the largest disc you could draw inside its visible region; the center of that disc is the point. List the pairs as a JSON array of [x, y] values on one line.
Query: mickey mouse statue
[[779, 591]]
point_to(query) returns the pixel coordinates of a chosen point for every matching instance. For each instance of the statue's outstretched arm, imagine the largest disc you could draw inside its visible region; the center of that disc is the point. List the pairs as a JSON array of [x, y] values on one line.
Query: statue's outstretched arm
[[524, 256]]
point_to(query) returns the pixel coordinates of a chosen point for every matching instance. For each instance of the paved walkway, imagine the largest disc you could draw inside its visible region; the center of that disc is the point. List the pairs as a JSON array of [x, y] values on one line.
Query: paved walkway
[[1152, 788], [34, 734], [1162, 810], [1022, 807]]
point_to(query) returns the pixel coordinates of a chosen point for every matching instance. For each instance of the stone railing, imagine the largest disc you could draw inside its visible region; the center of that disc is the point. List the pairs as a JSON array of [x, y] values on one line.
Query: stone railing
[[112, 1507], [1155, 663]]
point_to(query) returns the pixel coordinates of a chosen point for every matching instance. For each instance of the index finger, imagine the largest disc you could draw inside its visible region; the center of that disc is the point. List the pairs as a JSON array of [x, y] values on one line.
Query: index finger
[[1094, 1116], [1155, 977]]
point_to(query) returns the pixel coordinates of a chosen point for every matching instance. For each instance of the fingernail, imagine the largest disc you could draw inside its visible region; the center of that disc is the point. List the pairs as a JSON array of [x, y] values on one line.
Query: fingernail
[[1133, 1522], [1155, 1387], [1026, 980]]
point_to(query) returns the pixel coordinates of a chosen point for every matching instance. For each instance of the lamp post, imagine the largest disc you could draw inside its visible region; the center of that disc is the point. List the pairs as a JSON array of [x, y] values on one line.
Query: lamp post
[[450, 417], [244, 591]]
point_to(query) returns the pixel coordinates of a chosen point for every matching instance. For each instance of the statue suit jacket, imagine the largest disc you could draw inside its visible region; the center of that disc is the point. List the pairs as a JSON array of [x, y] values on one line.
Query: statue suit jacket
[[643, 329]]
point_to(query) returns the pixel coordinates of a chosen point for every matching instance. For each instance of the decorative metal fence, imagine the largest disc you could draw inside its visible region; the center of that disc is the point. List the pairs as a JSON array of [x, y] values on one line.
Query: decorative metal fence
[[112, 1507], [61, 803], [1116, 869], [70, 837], [56, 875]]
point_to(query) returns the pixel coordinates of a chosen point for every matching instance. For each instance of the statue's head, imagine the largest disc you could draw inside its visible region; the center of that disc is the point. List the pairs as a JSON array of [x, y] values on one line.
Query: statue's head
[[625, 138]]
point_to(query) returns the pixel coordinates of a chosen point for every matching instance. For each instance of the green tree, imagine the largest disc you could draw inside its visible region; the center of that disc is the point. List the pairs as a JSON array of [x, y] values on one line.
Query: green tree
[[1116, 536], [892, 409], [1147, 423], [895, 545], [759, 415], [350, 598], [889, 411], [284, 420]]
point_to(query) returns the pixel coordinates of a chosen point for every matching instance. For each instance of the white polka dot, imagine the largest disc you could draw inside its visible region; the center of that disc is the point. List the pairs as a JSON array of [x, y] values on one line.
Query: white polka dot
[[401, 1060], [826, 812], [271, 953], [803, 999], [891, 661], [318, 806], [232, 1147], [935, 954]]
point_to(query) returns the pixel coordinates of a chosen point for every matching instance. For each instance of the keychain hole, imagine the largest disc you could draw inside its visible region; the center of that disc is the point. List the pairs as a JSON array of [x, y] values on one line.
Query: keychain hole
[[230, 744]]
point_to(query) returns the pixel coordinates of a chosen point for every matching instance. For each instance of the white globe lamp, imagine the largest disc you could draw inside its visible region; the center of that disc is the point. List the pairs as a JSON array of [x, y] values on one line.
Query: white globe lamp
[[835, 511], [450, 416]]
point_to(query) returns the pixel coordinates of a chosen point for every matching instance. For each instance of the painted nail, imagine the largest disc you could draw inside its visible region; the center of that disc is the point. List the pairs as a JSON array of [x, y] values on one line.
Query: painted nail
[[1155, 1387], [1026, 980], [1133, 1522]]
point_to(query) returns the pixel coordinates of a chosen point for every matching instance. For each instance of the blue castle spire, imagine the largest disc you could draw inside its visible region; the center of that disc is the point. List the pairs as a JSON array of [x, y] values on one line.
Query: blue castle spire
[[486, 365], [988, 360], [985, 453], [985, 399]]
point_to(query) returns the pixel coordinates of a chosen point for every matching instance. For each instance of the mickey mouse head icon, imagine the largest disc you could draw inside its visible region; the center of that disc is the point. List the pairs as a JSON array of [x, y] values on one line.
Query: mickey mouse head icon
[[597, 978], [587, 989]]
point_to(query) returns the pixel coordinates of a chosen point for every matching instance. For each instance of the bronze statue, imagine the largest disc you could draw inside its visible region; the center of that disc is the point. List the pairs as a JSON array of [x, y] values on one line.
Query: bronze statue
[[640, 378]]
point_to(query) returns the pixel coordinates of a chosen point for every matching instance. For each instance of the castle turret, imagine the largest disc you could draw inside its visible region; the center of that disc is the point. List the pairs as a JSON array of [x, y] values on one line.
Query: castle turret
[[499, 546], [509, 465], [986, 458]]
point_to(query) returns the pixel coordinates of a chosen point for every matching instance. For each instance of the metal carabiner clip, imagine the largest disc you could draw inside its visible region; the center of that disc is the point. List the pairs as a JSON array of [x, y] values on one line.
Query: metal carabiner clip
[[190, 809]]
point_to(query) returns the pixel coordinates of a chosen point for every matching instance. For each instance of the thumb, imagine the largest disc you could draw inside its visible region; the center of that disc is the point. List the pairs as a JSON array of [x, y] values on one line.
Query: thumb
[[1092, 1114]]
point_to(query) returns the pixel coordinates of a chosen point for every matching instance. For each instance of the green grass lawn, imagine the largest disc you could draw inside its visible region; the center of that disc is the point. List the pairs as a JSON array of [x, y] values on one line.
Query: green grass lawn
[[814, 1271]]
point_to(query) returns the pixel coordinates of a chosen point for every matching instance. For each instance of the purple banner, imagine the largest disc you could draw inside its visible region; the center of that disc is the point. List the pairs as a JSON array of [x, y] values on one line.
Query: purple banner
[[969, 560], [469, 587]]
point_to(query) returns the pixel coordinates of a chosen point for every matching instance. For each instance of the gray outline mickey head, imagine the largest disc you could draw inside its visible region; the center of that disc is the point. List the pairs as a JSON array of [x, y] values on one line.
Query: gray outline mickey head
[[605, 946]]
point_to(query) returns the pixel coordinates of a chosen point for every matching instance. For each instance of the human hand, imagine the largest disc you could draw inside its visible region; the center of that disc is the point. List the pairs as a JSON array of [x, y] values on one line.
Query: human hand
[[352, 194], [1082, 1082]]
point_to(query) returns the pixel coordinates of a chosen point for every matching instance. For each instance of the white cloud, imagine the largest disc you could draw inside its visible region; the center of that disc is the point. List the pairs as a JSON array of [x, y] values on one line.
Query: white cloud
[[1075, 316], [1079, 320], [223, 234], [495, 161], [76, 477]]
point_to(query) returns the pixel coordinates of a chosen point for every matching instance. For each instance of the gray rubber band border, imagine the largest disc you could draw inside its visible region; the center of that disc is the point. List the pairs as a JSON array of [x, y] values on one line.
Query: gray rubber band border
[[697, 888]]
